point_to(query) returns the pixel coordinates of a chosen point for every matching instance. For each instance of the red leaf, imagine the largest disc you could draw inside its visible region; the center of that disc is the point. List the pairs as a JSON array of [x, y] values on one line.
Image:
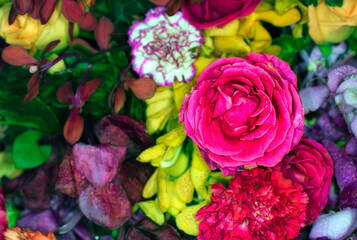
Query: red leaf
[[103, 33], [73, 128], [89, 89], [46, 10], [17, 56], [22, 6], [33, 87], [84, 44], [65, 93], [35, 11], [143, 88], [160, 2], [48, 48], [88, 22], [117, 99], [12, 15], [72, 11], [173, 7]]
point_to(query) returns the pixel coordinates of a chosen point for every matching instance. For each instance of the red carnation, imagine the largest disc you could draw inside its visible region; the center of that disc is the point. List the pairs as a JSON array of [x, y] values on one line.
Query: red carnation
[[258, 204]]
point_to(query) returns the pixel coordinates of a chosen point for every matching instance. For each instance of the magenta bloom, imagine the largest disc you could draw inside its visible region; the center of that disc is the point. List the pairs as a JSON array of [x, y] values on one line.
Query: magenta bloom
[[310, 165], [3, 221], [211, 13], [244, 112]]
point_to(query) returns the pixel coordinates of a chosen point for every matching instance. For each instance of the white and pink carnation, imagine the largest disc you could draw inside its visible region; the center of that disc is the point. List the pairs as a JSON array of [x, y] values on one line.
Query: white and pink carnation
[[164, 48]]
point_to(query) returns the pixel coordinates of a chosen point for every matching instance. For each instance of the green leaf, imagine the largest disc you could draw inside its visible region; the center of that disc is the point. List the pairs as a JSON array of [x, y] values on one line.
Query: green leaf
[[28, 153], [12, 214], [282, 6], [34, 114], [325, 49]]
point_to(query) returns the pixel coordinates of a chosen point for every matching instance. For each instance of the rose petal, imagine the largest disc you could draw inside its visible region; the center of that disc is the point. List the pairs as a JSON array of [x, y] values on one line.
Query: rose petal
[[98, 163]]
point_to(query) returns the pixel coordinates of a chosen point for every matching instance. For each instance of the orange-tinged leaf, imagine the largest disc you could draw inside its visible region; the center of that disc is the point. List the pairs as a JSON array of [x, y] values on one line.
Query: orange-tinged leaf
[[65, 93], [143, 88], [89, 89], [74, 126], [103, 32], [17, 56]]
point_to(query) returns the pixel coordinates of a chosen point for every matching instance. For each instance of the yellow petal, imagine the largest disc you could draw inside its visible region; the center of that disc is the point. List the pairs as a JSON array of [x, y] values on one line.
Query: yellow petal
[[262, 39], [179, 167], [273, 50], [199, 180], [175, 200], [173, 138], [246, 25], [161, 94], [152, 211], [151, 153], [171, 156], [201, 63], [197, 160], [290, 17], [162, 191], [186, 219], [229, 29], [232, 44], [184, 186], [150, 188]]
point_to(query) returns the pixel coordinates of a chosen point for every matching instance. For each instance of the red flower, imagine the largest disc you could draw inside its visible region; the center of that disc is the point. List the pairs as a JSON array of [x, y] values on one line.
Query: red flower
[[258, 204], [3, 221]]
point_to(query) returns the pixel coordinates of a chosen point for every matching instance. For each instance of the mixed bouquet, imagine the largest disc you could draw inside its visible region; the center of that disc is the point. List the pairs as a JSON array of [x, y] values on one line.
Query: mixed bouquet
[[178, 119]]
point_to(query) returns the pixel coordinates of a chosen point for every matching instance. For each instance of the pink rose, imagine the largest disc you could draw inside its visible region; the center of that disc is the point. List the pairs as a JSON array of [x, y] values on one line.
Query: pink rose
[[310, 165], [244, 112], [210, 13], [3, 221]]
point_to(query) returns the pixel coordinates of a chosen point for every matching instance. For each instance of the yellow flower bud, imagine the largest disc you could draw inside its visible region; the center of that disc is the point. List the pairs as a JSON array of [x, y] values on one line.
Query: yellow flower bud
[[332, 24], [29, 33]]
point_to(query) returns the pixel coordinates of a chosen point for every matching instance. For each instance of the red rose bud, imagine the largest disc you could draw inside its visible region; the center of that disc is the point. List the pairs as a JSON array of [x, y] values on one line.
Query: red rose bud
[[103, 33], [117, 99], [88, 22], [212, 13], [143, 88], [310, 165], [73, 128], [72, 11]]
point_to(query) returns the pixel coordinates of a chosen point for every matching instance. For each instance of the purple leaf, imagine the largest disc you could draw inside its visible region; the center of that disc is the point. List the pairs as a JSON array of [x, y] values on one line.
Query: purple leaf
[[122, 130], [345, 170], [106, 206], [69, 180], [44, 221], [98, 163], [349, 196], [335, 226], [133, 175], [351, 146], [335, 76], [313, 97]]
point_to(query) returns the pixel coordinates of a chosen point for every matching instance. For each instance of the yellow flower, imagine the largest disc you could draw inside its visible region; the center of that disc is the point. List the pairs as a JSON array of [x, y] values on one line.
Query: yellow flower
[[245, 35], [29, 32], [332, 24]]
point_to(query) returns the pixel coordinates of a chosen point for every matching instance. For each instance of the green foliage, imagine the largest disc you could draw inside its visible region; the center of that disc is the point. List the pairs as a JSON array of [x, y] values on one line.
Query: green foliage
[[331, 3], [27, 152], [290, 47], [12, 214]]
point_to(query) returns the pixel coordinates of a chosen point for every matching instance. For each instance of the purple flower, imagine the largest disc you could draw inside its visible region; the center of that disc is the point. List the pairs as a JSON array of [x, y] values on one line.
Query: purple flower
[[164, 48]]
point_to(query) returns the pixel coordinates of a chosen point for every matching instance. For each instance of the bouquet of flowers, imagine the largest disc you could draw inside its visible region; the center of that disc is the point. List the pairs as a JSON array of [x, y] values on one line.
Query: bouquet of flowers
[[178, 119]]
